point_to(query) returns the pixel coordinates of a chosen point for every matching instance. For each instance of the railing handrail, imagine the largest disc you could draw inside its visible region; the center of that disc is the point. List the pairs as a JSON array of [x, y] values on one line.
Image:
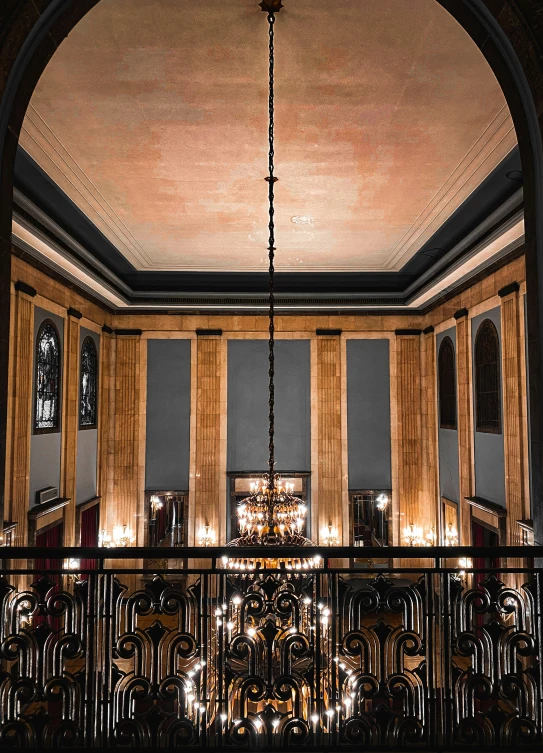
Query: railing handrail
[[217, 552]]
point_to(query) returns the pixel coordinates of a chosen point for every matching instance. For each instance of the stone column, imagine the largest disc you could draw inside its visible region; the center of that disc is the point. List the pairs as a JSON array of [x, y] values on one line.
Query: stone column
[[70, 418], [20, 394], [209, 507], [465, 429], [329, 449], [514, 441], [410, 435], [126, 492], [429, 428]]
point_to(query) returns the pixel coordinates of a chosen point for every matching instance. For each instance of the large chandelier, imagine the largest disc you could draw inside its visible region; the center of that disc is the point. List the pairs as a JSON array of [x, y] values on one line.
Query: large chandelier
[[271, 514]]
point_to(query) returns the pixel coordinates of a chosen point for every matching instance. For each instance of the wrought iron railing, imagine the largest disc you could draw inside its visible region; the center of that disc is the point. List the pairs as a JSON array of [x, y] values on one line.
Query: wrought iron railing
[[422, 655]]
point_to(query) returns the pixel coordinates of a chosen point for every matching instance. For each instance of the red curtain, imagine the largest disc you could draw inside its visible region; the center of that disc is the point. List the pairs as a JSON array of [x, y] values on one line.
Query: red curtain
[[52, 537], [46, 540]]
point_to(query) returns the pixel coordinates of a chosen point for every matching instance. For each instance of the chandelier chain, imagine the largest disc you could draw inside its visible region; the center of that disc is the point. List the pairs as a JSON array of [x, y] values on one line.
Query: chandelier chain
[[271, 249]]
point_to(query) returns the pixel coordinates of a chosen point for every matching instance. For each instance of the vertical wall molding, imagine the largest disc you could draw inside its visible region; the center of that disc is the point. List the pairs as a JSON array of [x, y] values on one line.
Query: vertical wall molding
[[209, 469], [329, 437], [70, 425], [410, 444], [512, 415], [21, 400], [465, 429]]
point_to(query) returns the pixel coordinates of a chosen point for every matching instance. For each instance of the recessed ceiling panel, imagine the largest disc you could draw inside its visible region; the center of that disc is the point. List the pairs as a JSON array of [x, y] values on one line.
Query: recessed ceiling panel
[[152, 117]]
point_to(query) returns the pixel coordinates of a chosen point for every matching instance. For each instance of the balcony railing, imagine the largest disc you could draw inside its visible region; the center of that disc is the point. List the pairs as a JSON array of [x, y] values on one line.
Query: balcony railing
[[423, 654]]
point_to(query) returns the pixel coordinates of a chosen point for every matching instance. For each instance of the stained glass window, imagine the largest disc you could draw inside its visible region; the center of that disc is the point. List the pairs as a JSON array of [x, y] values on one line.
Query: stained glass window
[[487, 379], [47, 413], [447, 385], [88, 385]]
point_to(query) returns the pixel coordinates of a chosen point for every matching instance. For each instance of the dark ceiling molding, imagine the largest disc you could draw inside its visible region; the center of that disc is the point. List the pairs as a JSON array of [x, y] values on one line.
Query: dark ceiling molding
[[460, 313], [75, 313], [22, 287], [54, 274], [328, 332], [108, 330], [428, 330], [206, 332], [513, 287], [129, 332], [58, 215], [407, 332]]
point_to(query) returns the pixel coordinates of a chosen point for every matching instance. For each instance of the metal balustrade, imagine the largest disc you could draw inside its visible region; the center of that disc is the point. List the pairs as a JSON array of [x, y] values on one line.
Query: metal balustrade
[[418, 655]]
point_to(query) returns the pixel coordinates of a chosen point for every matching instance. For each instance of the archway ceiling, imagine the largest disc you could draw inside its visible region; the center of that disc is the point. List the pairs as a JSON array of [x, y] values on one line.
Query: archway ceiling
[[151, 117]]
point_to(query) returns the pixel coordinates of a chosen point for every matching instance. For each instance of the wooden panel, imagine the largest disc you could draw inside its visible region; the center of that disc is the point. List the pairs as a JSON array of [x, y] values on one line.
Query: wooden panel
[[512, 428], [22, 416], [126, 491], [465, 428], [429, 430], [329, 452], [70, 426], [208, 436], [410, 466]]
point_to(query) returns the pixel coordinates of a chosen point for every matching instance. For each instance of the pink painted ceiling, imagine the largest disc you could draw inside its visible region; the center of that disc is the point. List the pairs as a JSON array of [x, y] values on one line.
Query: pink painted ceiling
[[152, 117]]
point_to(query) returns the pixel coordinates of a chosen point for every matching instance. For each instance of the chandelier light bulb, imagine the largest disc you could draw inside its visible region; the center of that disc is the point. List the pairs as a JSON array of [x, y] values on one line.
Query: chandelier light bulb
[[382, 501]]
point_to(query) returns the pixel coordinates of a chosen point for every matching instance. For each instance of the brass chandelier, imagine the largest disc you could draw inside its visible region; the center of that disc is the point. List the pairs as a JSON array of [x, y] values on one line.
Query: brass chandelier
[[271, 514]]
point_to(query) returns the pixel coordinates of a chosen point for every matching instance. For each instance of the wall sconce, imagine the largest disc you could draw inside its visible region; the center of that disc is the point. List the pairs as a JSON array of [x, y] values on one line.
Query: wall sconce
[[464, 563], [330, 536], [74, 565], [431, 537], [451, 536], [413, 535], [156, 504], [382, 502], [122, 536], [207, 536]]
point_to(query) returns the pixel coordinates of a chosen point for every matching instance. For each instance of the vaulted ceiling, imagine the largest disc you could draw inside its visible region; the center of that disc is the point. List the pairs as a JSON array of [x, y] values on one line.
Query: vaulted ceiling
[[152, 118]]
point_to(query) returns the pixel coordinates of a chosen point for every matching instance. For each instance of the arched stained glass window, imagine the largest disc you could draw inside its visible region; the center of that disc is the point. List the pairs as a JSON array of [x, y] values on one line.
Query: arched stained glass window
[[487, 379], [88, 388], [447, 385], [47, 407]]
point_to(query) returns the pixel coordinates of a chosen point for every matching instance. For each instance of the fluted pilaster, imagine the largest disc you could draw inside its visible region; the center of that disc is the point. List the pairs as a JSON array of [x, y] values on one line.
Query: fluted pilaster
[[514, 441], [465, 429], [70, 426], [21, 402], [126, 491], [410, 437], [329, 450], [209, 507]]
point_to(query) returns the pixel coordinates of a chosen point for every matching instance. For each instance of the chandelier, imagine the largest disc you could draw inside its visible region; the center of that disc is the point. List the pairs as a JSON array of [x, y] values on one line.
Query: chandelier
[[271, 514]]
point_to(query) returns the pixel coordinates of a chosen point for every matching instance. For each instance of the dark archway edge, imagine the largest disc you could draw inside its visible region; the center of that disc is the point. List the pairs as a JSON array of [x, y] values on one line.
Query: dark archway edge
[[508, 32]]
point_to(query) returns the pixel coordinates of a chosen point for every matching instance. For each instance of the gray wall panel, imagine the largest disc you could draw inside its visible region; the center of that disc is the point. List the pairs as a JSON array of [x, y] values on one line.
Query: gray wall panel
[[87, 448], [87, 439], [449, 482], [248, 405], [368, 414], [45, 448], [489, 452], [168, 415]]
